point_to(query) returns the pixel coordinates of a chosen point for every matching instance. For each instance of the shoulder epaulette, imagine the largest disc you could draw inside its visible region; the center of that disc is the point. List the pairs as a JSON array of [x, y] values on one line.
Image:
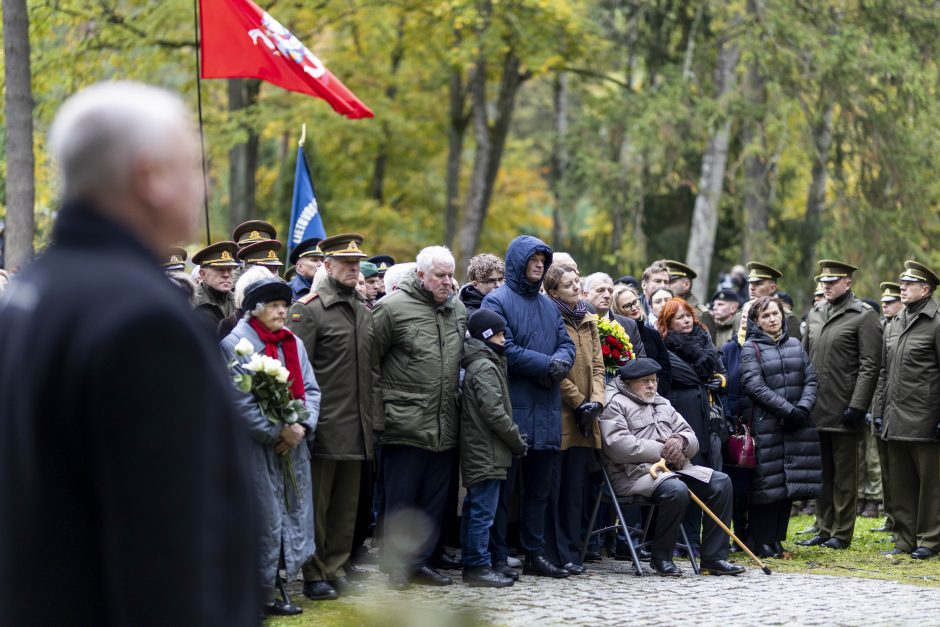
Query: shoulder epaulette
[[307, 298]]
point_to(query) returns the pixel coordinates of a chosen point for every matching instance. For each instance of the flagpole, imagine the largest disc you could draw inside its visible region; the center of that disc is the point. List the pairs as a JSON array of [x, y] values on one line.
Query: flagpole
[[303, 135], [202, 137]]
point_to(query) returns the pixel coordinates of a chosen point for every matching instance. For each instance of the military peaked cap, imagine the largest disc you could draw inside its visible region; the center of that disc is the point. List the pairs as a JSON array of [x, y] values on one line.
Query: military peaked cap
[[253, 231], [218, 255], [914, 271], [263, 253], [678, 270], [831, 270], [345, 245], [757, 272]]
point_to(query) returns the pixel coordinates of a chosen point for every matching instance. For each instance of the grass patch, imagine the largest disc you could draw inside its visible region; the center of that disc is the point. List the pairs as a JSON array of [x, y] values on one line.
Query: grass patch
[[862, 559]]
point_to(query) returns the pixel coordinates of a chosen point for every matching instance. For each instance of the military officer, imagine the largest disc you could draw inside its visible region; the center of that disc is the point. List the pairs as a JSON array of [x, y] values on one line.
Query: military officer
[[175, 260], [906, 412], [762, 281], [680, 282], [262, 253], [843, 340], [891, 305], [383, 263], [337, 331], [217, 263], [370, 272], [253, 231], [307, 259]]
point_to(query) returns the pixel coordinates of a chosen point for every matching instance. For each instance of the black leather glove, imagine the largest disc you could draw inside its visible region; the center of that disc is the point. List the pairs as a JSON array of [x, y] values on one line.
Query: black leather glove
[[878, 422], [853, 418], [558, 370], [525, 445], [797, 418], [585, 415]]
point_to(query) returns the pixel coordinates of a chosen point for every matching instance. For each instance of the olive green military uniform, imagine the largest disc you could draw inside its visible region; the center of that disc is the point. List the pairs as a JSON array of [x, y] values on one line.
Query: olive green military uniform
[[843, 340], [218, 305], [891, 292], [908, 400], [337, 331]]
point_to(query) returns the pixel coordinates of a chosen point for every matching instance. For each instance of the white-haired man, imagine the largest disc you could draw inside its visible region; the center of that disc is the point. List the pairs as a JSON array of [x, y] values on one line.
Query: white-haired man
[[599, 292], [419, 332], [131, 486]]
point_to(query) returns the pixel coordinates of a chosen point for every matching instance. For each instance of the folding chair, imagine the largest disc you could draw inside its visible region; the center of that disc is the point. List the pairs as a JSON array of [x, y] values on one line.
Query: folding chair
[[606, 494]]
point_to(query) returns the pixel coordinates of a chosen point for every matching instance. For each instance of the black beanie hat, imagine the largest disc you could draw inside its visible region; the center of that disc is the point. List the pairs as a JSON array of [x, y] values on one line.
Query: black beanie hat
[[484, 324]]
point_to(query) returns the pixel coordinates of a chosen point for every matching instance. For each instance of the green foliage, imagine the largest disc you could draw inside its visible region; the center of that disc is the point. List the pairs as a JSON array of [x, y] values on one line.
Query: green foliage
[[640, 111]]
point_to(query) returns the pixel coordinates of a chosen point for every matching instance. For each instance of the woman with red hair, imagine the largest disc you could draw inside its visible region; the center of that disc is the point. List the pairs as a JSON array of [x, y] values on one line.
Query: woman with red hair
[[696, 369]]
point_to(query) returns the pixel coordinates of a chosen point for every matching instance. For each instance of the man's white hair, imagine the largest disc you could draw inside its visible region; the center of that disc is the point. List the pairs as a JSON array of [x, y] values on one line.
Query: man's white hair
[[592, 279], [249, 277], [434, 256], [99, 133], [395, 274]]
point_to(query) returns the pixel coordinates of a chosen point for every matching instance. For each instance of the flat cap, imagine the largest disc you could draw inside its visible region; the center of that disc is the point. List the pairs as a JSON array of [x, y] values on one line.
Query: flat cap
[[307, 248], [175, 260], [890, 291], [831, 270], [915, 271], [639, 368], [253, 231], [263, 253], [678, 270], [757, 271], [345, 245], [218, 255]]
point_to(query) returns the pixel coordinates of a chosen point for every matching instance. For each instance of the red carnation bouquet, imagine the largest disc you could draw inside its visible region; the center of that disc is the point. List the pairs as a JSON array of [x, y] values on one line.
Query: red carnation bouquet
[[615, 345]]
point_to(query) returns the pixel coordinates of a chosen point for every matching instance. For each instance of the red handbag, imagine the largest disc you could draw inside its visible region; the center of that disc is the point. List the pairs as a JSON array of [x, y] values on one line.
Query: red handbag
[[741, 451]]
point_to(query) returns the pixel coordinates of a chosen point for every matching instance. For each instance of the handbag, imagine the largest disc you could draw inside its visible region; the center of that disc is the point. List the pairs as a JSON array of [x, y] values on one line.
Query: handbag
[[741, 450]]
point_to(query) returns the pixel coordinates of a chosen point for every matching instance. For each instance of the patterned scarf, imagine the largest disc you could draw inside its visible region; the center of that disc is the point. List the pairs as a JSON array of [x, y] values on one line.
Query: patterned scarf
[[574, 316]]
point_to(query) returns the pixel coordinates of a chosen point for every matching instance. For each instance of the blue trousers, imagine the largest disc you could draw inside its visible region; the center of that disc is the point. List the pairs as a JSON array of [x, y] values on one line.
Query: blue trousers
[[479, 509]]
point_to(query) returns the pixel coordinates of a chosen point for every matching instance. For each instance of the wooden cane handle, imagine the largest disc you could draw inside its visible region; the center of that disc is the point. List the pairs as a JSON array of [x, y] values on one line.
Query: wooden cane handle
[[660, 465]]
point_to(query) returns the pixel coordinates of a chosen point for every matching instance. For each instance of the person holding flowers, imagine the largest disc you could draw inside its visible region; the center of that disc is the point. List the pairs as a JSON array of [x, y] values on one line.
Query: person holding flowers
[[279, 399], [582, 396]]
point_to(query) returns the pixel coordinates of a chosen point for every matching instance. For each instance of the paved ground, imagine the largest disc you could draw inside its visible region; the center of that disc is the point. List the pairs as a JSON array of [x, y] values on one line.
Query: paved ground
[[611, 595]]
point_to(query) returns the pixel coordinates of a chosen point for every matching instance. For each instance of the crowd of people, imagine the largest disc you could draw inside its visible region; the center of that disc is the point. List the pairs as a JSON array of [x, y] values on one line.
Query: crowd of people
[[425, 414]]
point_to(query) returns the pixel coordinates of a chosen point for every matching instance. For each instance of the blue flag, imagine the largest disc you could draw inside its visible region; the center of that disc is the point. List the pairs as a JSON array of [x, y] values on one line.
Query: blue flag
[[305, 220]]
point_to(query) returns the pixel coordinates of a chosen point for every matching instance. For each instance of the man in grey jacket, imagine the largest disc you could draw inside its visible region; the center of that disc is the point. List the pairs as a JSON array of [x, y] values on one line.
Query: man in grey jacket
[[638, 428]]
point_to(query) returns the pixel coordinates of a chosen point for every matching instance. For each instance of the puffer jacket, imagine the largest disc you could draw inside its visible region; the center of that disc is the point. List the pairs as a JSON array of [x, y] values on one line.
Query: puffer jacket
[[584, 383], [488, 436], [535, 334], [776, 377], [418, 345]]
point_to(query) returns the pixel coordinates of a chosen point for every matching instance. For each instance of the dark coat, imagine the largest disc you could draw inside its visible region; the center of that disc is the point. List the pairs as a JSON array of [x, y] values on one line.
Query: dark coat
[[471, 298], [694, 360], [123, 486], [337, 331], [535, 334], [656, 349], [909, 386], [778, 376], [844, 340], [633, 331], [488, 436], [212, 304]]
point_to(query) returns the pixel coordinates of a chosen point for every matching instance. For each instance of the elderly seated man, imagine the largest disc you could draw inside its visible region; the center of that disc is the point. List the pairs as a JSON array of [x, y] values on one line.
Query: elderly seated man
[[638, 428]]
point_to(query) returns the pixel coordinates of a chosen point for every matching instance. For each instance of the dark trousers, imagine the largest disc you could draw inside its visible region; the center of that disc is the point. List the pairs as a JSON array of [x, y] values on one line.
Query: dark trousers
[[835, 507], [417, 480], [566, 515], [741, 485], [915, 493], [767, 522], [887, 505], [538, 474], [479, 510], [673, 500], [365, 522], [335, 500]]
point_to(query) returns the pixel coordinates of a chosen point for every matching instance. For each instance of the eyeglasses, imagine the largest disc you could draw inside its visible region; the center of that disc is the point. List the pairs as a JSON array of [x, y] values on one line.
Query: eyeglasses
[[496, 281], [633, 303]]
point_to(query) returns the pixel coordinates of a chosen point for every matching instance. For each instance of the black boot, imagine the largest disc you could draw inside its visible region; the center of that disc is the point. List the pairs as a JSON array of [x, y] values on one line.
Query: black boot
[[485, 577], [539, 566], [506, 570]]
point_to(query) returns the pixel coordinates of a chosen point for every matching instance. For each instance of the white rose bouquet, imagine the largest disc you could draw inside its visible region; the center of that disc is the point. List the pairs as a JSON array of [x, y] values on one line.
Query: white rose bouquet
[[267, 381]]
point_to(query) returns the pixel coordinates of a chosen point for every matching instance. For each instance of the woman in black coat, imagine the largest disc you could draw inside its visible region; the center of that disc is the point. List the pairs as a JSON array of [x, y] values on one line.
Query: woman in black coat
[[626, 302], [780, 391]]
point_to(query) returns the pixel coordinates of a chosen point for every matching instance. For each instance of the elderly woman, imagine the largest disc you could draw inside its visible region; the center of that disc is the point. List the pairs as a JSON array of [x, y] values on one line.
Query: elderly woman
[[697, 369], [582, 396], [285, 507], [780, 392], [627, 303]]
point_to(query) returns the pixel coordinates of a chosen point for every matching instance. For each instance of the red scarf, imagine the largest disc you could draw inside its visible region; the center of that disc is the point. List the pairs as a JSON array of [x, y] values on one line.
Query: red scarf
[[291, 357]]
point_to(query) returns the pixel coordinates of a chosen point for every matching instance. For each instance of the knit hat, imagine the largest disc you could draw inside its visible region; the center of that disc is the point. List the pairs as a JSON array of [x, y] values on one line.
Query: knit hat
[[484, 324]]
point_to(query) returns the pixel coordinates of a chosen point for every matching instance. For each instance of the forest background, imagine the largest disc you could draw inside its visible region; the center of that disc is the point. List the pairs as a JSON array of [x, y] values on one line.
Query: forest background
[[621, 131]]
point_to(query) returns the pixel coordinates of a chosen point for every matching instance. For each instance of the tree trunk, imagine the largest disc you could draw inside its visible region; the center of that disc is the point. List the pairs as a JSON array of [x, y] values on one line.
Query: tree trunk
[[243, 158], [490, 142], [756, 183], [457, 130], [559, 159], [18, 109], [705, 214], [816, 197], [381, 158]]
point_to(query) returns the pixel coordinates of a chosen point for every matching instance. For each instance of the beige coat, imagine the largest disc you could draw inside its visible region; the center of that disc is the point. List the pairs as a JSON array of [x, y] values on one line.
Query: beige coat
[[632, 435], [584, 383]]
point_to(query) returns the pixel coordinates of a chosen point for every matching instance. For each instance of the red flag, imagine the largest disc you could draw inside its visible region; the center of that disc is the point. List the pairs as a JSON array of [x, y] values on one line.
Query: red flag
[[239, 40]]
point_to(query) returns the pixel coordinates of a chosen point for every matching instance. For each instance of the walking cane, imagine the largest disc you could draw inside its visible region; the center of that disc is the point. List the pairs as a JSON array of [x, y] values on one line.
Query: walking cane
[[661, 465]]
